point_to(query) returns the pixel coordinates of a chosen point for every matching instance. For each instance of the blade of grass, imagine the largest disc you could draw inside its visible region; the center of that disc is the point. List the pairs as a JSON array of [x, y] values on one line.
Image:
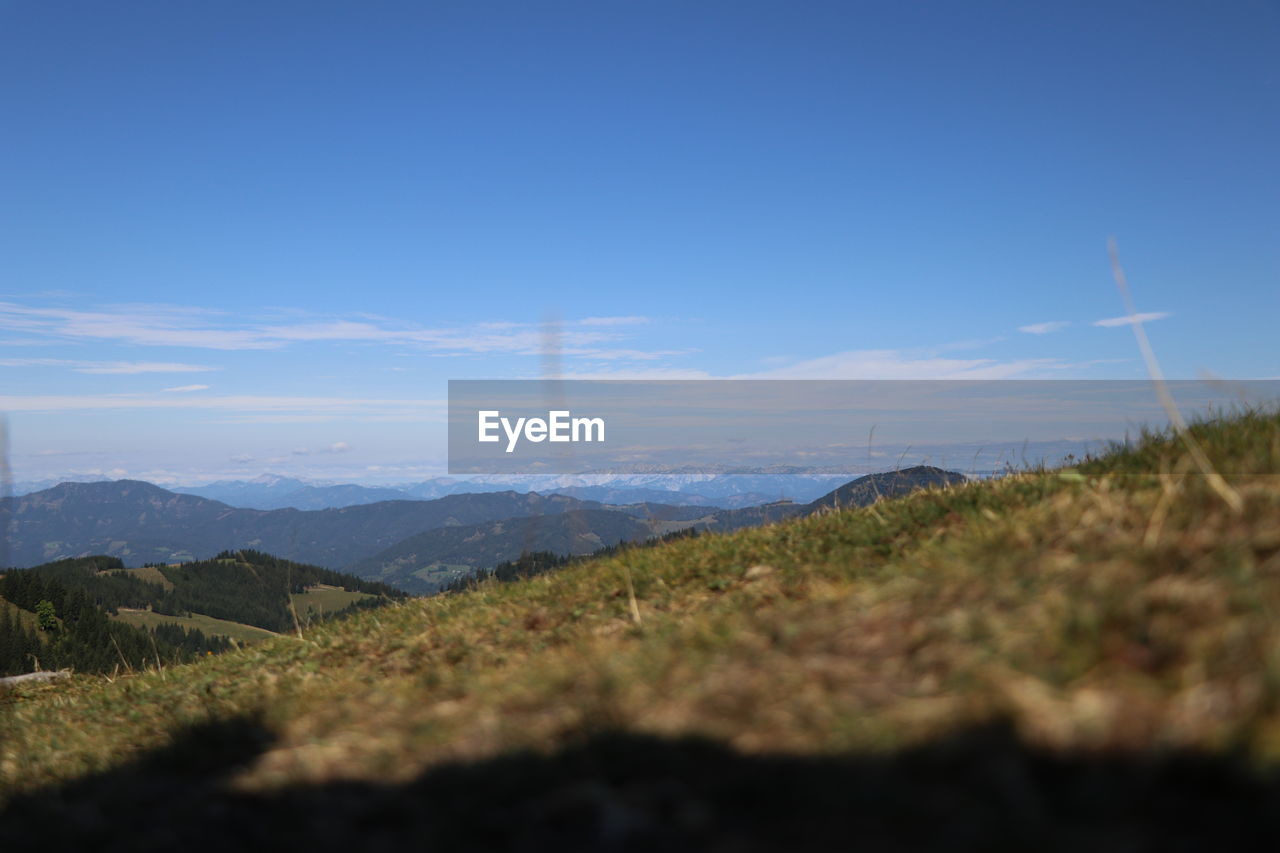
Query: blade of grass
[[1229, 495]]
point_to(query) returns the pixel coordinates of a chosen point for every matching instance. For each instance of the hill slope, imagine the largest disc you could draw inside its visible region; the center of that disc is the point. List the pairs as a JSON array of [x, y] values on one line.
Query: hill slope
[[865, 491], [246, 596], [429, 561], [1050, 661], [425, 563]]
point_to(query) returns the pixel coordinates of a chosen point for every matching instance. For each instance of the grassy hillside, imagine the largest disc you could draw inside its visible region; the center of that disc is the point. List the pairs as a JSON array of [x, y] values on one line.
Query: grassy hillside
[[210, 626], [151, 574], [425, 563], [23, 617], [1044, 662], [324, 598]]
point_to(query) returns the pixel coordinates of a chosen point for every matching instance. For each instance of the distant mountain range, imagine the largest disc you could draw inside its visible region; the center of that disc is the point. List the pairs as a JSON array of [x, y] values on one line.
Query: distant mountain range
[[725, 491], [722, 491], [272, 491], [417, 545], [141, 522]]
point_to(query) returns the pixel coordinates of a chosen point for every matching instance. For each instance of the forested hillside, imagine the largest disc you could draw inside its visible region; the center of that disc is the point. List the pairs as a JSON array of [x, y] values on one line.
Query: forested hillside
[[425, 563], [71, 628], [70, 602]]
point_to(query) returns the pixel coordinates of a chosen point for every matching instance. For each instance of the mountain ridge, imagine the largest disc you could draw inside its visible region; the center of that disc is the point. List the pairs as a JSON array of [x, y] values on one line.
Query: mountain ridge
[[144, 523], [430, 560], [407, 542]]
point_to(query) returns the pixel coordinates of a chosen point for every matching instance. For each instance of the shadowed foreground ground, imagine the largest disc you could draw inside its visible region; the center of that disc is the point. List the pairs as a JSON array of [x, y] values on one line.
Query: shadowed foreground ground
[[980, 790]]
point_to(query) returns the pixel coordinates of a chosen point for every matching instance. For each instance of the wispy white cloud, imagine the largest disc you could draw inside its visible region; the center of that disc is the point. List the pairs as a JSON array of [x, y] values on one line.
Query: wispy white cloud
[[182, 389], [859, 364], [649, 373], [336, 330], [1044, 328], [613, 321], [146, 325], [124, 367], [336, 447], [1130, 319], [291, 418], [966, 344], [233, 405], [182, 326], [624, 354], [29, 342], [896, 364], [143, 367]]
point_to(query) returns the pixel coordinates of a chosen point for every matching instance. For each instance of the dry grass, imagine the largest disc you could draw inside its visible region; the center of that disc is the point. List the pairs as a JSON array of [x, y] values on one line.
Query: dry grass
[[1118, 606], [150, 574], [24, 618], [319, 600], [237, 631]]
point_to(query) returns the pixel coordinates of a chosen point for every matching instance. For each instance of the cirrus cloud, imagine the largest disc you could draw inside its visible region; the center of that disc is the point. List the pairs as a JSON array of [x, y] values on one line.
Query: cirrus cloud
[[1044, 328], [99, 367], [613, 321], [897, 364], [200, 328], [1130, 319]]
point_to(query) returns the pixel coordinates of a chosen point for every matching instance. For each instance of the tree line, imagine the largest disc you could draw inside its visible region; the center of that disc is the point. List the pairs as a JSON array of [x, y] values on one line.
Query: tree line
[[245, 586], [71, 632], [73, 598], [253, 588]]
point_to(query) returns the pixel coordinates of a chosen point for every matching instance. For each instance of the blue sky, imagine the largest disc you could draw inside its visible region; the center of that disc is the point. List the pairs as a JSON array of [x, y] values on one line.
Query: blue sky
[[244, 236]]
